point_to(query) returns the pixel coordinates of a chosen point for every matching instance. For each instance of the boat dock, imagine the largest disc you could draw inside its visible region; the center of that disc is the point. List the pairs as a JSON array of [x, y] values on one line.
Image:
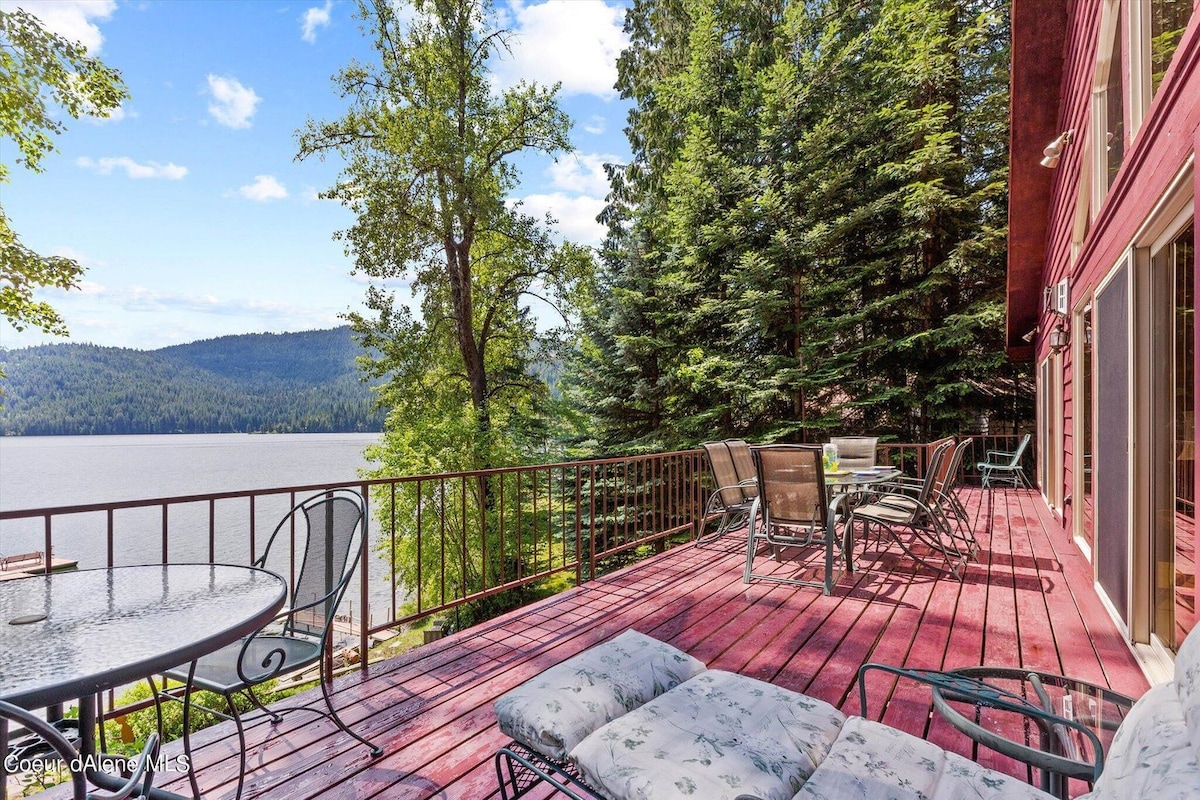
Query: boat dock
[[23, 565]]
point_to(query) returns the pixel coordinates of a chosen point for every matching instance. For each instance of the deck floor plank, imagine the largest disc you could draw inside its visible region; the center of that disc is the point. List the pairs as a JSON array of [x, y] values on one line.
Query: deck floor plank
[[1027, 600]]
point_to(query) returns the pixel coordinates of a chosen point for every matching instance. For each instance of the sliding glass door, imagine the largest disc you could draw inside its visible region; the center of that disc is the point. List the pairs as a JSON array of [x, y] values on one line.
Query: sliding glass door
[[1172, 409]]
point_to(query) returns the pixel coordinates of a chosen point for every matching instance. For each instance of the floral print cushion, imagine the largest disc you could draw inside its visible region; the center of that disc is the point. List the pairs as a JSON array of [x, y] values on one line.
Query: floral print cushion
[[870, 761], [717, 737], [554, 711], [1151, 757]]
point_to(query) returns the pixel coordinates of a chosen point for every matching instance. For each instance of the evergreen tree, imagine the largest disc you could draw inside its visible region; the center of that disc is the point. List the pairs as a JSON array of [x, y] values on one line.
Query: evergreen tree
[[822, 185]]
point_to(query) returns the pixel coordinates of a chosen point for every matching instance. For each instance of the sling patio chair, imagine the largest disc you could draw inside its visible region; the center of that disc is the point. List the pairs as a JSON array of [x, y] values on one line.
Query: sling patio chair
[[943, 500], [330, 525], [910, 520], [792, 510], [1000, 466], [855, 452], [733, 473]]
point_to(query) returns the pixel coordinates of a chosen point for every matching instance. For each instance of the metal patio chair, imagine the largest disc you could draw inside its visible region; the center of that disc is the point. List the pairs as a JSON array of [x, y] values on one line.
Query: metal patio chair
[[1000, 466], [733, 472], [791, 510], [911, 520], [855, 452], [52, 744], [331, 525], [943, 500]]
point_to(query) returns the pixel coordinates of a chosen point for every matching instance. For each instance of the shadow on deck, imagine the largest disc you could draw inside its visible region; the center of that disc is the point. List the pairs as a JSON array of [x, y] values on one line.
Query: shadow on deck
[[1027, 600]]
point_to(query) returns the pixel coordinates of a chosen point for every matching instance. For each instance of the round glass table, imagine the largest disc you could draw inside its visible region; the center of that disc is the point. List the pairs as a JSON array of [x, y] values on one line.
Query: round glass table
[[1071, 724], [72, 635]]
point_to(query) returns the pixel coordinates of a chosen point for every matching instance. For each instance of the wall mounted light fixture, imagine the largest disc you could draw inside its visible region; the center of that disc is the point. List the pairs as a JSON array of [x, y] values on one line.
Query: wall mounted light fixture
[[1059, 338], [1054, 150]]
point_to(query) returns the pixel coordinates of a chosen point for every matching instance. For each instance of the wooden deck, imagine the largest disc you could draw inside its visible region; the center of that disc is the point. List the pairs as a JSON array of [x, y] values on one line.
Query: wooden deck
[[1026, 601]]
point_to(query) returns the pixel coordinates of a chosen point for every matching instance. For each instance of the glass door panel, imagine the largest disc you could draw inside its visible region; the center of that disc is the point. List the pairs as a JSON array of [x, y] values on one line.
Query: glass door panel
[[1173, 447], [1085, 509]]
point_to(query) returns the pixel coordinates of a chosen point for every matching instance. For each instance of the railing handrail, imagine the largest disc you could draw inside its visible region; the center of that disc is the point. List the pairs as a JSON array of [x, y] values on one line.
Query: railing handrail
[[84, 508]]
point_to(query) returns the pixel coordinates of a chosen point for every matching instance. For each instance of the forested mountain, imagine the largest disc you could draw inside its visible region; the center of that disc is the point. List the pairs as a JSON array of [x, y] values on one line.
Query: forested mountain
[[289, 382]]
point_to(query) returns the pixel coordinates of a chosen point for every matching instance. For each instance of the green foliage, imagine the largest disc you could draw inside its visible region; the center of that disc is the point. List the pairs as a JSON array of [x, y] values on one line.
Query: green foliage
[[138, 725], [41, 74], [428, 146], [811, 235], [292, 382]]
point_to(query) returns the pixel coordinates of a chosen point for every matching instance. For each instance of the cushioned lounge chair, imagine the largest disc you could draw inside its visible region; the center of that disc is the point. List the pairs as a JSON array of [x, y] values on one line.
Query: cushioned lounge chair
[[636, 719]]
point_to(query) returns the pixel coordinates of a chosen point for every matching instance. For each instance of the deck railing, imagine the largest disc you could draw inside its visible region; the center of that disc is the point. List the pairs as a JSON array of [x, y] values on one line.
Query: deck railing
[[435, 542]]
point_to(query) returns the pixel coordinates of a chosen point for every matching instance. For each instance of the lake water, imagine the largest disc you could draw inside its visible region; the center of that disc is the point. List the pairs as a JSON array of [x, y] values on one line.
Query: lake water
[[48, 471]]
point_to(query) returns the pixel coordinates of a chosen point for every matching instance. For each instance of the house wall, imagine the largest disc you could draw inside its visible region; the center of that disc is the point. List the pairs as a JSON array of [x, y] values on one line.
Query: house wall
[[1057, 41]]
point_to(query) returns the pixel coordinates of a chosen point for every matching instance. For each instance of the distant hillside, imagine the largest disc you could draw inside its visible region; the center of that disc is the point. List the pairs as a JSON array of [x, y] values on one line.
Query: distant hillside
[[288, 382]]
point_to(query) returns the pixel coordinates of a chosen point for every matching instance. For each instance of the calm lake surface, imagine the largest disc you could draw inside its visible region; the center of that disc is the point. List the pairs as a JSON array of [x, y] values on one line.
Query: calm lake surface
[[48, 471]]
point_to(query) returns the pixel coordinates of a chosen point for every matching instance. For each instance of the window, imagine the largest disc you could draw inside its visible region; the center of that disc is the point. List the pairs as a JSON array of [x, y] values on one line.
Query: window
[[1108, 104], [1168, 20], [1155, 28]]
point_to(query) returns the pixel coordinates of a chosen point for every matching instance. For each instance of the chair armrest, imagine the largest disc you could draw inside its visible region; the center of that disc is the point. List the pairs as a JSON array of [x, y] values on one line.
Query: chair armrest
[[956, 686], [51, 735], [139, 782], [1000, 453]]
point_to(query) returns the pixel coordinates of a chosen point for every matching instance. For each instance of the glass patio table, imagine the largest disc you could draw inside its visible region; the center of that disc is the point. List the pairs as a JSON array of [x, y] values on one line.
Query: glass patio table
[[1072, 724], [71, 635], [841, 485]]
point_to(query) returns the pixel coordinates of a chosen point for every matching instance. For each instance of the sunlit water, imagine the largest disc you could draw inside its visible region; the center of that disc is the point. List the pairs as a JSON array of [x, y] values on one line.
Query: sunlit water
[[55, 471]]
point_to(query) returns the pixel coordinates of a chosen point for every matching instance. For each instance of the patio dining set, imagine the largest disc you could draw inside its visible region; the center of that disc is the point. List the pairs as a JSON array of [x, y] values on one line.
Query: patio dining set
[[797, 496]]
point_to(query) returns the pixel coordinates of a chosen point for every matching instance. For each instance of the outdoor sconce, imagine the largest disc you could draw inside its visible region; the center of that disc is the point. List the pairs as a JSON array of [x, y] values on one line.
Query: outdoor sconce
[[1054, 150], [1060, 337]]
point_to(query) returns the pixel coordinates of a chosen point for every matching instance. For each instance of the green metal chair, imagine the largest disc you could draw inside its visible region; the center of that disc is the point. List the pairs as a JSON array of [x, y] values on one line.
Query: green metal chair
[[331, 524], [1001, 466]]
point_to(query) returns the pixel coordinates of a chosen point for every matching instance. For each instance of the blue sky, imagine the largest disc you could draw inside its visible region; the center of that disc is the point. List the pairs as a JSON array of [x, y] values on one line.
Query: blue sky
[[188, 209]]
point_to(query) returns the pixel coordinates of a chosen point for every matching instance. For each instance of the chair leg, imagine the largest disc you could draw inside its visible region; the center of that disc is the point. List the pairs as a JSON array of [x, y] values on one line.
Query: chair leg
[[376, 750], [237, 720], [275, 717]]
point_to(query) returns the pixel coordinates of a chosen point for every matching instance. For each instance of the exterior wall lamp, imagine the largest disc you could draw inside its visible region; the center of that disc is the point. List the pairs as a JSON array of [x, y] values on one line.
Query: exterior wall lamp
[[1059, 338], [1054, 150]]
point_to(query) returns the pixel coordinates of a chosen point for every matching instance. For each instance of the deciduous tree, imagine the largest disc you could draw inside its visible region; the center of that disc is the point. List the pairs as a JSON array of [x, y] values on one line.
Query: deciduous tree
[[42, 74]]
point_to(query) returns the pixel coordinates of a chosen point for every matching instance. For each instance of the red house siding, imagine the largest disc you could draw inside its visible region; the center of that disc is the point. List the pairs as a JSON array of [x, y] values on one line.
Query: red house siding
[[1055, 50]]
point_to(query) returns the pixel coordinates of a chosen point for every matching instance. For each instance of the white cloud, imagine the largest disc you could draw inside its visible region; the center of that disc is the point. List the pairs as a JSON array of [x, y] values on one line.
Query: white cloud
[[264, 188], [73, 18], [576, 215], [233, 104], [134, 170], [595, 125], [79, 257], [573, 41], [582, 173], [114, 115], [315, 18]]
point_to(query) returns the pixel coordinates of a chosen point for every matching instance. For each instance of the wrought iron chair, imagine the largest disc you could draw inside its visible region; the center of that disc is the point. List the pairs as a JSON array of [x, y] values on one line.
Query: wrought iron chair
[[1000, 466], [792, 507], [910, 521], [733, 472], [137, 785], [298, 637]]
